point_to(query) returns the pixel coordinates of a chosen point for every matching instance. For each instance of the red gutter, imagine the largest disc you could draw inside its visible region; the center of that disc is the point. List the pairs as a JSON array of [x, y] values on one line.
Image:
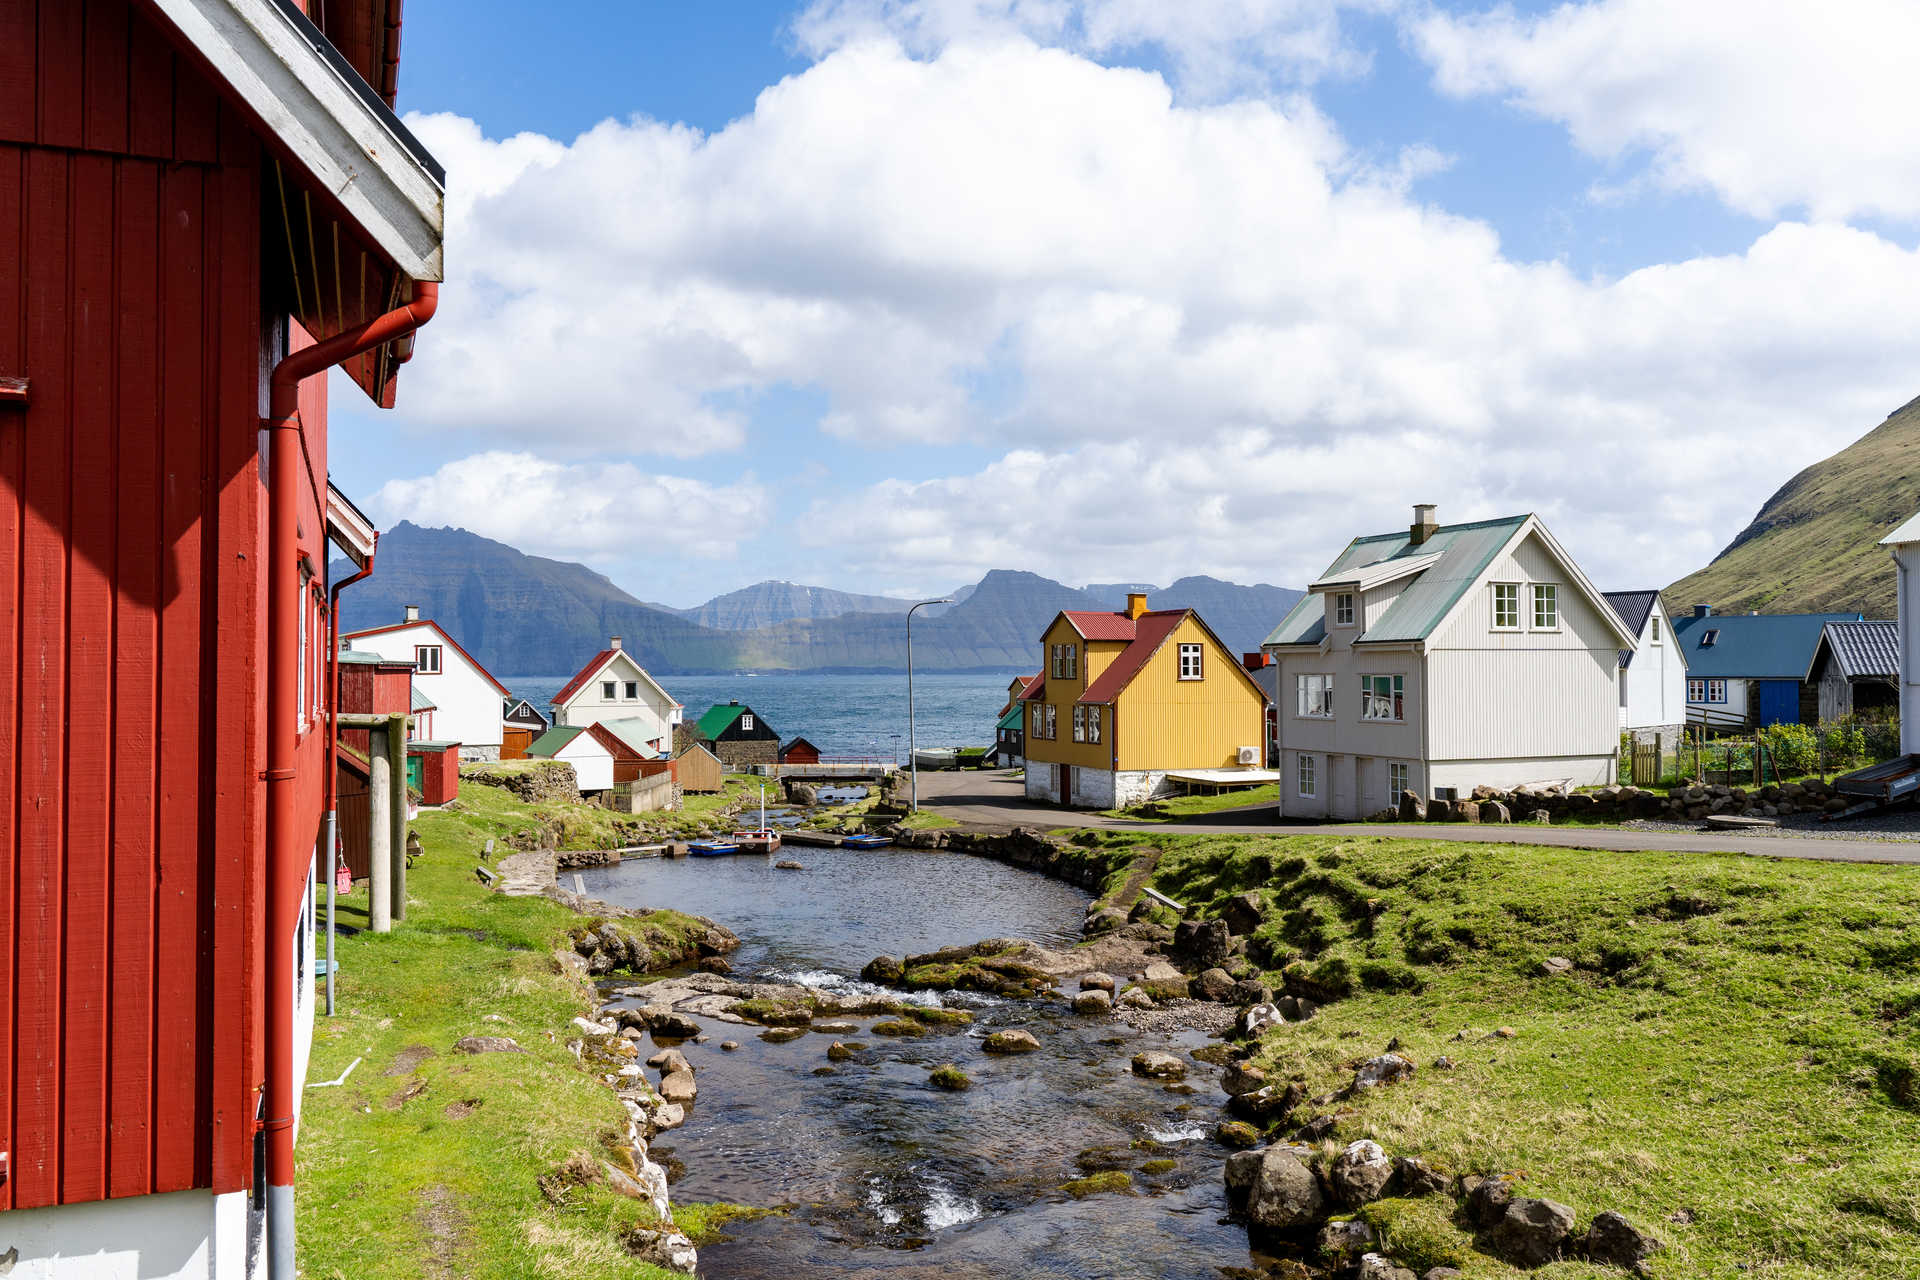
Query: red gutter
[[286, 859]]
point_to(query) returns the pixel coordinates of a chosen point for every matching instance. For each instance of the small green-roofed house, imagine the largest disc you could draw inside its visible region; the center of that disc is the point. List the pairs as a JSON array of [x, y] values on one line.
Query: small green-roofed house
[[1009, 736], [733, 732], [1441, 658]]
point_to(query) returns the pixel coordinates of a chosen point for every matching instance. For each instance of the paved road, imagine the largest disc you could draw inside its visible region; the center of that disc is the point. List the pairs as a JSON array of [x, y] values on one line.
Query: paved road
[[994, 801]]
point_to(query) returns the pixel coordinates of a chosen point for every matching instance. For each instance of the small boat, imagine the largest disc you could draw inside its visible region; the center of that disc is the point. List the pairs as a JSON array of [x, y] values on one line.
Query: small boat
[[762, 841], [866, 842], [712, 848]]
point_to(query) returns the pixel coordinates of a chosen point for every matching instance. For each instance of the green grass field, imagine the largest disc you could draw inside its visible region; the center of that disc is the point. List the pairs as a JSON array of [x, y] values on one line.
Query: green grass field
[[1180, 807], [1739, 1042], [424, 1163]]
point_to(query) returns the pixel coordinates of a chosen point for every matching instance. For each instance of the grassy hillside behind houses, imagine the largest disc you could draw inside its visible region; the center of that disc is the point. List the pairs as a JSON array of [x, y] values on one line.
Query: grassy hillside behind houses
[[1812, 548]]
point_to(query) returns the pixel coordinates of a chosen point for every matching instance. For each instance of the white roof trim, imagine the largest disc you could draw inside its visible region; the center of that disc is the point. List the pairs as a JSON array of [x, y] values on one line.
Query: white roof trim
[[1379, 573], [1908, 532], [349, 527], [345, 146]]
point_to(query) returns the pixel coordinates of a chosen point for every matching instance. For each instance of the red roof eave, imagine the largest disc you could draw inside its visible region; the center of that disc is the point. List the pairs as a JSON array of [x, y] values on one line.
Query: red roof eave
[[428, 622]]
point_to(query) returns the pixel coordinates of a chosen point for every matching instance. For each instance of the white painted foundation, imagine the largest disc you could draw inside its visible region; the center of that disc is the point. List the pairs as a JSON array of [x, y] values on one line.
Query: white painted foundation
[[183, 1235]]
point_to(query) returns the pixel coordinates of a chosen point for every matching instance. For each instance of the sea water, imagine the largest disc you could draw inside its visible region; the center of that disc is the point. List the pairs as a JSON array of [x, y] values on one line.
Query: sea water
[[843, 715]]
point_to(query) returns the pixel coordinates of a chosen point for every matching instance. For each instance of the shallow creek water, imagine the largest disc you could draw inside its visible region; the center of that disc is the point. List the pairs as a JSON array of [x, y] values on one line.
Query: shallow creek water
[[886, 1174]]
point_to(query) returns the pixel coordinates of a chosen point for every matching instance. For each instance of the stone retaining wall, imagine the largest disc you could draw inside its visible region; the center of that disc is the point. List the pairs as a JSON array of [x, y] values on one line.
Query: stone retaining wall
[[1618, 804]]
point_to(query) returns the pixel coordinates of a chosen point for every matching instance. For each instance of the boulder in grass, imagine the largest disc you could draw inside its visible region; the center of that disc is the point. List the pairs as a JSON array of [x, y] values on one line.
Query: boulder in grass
[[1343, 1241], [1415, 1177], [1374, 1266], [665, 1249], [1359, 1174], [1215, 985], [486, 1044], [1275, 1189], [1613, 1240], [1388, 1068], [1532, 1233]]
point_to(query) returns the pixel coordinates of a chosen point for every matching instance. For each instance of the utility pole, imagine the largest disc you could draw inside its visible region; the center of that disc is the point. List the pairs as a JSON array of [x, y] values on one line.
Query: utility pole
[[913, 758]]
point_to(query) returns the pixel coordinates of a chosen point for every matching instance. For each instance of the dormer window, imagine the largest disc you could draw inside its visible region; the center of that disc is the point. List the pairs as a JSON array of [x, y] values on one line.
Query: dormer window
[[1343, 609]]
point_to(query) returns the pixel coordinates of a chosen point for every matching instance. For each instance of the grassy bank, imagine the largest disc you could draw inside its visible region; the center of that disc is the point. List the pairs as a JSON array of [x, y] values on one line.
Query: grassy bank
[[1177, 808], [425, 1162], [1734, 1062]]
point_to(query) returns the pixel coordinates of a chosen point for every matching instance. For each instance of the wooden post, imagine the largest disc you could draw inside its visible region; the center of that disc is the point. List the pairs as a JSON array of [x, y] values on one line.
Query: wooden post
[[1699, 732], [379, 855], [397, 762]]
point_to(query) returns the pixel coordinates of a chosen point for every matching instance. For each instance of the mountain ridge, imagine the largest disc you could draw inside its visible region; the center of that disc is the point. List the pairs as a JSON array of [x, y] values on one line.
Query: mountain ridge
[[523, 615]]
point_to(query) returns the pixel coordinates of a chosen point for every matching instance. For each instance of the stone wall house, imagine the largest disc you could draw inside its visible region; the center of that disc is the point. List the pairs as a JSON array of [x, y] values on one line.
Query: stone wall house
[[738, 736]]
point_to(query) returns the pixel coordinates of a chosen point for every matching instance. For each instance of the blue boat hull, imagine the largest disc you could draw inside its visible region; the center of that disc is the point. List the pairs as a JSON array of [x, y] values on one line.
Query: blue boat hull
[[866, 842], [711, 848]]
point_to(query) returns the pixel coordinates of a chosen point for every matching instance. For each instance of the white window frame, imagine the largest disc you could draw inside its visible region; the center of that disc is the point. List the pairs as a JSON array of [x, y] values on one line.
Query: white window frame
[[606, 691], [1653, 620], [1394, 699], [1039, 727], [1343, 608], [1065, 663], [1197, 669], [1053, 723], [630, 690], [1550, 593], [746, 722], [1093, 724], [1307, 776], [1697, 690], [420, 663], [1313, 696], [1512, 598], [1079, 724], [1398, 769], [1720, 686]]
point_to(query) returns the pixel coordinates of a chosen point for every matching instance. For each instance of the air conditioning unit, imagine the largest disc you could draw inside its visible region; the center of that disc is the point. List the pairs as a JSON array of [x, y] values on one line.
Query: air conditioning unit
[[1249, 755]]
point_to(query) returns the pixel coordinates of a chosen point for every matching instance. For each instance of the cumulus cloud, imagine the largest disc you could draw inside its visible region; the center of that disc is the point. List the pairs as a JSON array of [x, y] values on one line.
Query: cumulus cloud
[[1214, 47], [1776, 106], [1214, 308], [599, 512]]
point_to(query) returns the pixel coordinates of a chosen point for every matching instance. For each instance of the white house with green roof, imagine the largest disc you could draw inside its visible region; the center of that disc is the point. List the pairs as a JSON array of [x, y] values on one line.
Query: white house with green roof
[[1442, 658]]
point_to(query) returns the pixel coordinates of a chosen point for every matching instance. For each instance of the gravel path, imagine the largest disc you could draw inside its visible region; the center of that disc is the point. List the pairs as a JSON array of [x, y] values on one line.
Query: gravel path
[[1896, 826]]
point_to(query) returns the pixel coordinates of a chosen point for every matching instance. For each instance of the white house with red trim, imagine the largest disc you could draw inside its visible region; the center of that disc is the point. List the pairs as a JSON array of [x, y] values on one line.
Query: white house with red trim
[[614, 686], [466, 699]]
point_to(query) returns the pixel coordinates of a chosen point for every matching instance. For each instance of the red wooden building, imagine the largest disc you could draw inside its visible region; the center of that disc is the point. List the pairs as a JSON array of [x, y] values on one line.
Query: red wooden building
[[204, 205]]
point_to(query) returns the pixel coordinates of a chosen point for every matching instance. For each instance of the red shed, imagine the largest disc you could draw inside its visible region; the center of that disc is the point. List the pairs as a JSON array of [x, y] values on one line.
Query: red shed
[[203, 207], [799, 751], [372, 685], [439, 770]]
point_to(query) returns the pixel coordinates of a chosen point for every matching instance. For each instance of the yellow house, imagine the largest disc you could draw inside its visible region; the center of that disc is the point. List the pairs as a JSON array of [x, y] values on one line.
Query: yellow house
[[1129, 699]]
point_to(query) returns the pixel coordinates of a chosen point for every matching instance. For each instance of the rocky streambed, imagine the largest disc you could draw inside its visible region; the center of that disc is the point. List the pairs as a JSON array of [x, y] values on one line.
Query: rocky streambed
[[942, 1122]]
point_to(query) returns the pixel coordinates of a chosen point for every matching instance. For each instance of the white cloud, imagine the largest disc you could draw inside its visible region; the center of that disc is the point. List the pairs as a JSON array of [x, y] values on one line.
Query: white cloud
[[1214, 47], [1255, 341], [600, 512], [1773, 105]]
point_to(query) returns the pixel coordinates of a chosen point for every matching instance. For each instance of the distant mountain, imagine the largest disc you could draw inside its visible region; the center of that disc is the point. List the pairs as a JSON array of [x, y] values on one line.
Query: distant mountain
[[1812, 548], [766, 604], [527, 615]]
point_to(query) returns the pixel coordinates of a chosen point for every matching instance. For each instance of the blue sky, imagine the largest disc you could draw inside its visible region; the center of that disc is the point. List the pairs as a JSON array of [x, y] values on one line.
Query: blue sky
[[714, 336]]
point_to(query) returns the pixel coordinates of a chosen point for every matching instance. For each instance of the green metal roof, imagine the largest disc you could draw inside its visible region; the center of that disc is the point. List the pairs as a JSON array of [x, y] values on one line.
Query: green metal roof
[[549, 743], [634, 731], [718, 719], [421, 702], [1012, 719], [1465, 550]]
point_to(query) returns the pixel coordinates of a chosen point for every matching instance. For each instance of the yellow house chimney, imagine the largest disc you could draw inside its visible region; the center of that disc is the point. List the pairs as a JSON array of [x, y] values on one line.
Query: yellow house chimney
[[1136, 603]]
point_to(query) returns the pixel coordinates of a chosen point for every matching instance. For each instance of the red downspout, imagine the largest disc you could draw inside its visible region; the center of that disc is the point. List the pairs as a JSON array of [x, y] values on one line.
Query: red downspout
[[286, 859]]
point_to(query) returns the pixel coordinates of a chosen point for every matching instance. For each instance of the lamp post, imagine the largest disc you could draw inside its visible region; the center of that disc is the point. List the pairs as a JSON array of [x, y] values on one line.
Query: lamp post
[[913, 758]]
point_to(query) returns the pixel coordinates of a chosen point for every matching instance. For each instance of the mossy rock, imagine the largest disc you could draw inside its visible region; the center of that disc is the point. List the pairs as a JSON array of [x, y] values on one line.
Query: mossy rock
[[950, 1077], [1237, 1133], [928, 1017], [772, 1013], [1154, 1168], [1418, 1234], [898, 1027], [1111, 1182]]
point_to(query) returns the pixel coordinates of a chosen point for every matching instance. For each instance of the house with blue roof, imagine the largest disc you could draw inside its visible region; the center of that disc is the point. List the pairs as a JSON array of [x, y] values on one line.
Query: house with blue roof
[[1749, 670], [1442, 658]]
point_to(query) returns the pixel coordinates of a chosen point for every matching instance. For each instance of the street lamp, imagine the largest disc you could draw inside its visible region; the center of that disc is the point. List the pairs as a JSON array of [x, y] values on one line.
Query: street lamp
[[913, 757]]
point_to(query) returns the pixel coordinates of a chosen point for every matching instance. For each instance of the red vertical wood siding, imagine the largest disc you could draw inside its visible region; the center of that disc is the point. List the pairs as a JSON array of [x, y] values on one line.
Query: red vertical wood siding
[[132, 593]]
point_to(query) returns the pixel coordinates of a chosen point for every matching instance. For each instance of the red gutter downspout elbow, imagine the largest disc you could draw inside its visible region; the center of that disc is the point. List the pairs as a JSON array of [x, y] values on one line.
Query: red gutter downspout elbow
[[286, 859]]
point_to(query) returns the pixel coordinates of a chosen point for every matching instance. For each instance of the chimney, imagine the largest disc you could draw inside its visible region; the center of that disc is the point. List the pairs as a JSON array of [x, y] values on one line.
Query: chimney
[[1255, 661], [613, 642], [1136, 603], [1424, 526], [1703, 611], [413, 613]]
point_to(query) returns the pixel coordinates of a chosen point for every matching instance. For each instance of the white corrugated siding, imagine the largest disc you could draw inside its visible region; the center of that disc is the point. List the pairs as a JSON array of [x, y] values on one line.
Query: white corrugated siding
[[1497, 705]]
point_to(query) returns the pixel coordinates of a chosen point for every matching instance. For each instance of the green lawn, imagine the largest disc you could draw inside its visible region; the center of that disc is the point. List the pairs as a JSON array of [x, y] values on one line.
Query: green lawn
[[1740, 1039], [1179, 807], [425, 1162]]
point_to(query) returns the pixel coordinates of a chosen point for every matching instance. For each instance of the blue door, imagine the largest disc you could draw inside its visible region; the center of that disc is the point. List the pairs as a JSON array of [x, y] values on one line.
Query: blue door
[[1779, 701]]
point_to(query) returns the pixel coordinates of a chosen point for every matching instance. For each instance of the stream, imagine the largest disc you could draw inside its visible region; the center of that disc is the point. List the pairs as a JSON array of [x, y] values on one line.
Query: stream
[[888, 1175]]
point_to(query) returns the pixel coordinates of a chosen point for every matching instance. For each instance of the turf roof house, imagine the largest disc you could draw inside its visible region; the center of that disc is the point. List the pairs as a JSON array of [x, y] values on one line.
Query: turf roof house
[[1443, 658], [465, 696], [1653, 675], [1750, 669], [739, 737], [614, 686], [1130, 700]]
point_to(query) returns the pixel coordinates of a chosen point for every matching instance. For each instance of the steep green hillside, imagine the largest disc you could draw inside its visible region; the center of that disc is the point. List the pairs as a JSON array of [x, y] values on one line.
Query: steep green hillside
[[1812, 547]]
